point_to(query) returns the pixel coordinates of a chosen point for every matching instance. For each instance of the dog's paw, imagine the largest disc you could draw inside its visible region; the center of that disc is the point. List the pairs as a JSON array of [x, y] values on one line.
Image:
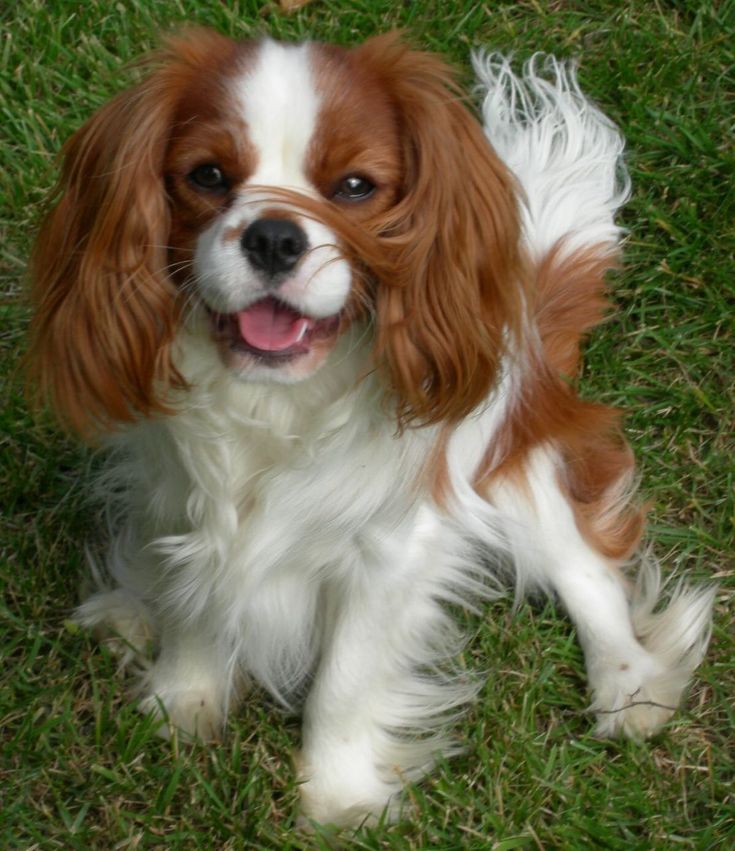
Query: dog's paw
[[635, 701], [328, 804], [348, 795], [637, 690], [193, 713]]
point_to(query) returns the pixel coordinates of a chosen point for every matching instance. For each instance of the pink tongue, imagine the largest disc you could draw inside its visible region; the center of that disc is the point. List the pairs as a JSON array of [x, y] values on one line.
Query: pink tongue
[[272, 327]]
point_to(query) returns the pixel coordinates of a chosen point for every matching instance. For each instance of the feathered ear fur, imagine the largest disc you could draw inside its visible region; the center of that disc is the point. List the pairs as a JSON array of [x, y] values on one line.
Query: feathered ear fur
[[450, 297], [105, 310]]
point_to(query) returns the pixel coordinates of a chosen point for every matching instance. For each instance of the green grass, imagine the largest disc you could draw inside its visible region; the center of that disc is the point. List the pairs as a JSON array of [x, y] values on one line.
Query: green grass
[[79, 768]]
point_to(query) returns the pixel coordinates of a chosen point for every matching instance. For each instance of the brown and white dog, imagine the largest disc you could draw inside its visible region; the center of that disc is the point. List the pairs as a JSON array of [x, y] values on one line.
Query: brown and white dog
[[328, 326]]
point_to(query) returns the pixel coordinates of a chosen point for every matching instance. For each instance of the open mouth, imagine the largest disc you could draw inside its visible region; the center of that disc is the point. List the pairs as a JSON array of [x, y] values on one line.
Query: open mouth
[[271, 330]]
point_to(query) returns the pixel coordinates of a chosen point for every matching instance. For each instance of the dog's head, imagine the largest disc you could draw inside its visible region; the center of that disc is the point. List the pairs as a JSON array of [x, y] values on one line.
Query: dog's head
[[284, 192]]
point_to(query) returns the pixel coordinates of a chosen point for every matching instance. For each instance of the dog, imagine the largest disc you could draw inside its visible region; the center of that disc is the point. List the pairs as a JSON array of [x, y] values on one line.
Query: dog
[[329, 329]]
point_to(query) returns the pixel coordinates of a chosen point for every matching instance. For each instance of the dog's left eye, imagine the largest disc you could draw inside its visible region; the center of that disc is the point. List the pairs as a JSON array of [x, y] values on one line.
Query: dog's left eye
[[208, 176], [354, 188]]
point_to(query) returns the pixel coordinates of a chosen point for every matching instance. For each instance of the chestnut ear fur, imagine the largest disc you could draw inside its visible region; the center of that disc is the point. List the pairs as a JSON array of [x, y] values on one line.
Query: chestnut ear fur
[[104, 309], [449, 295]]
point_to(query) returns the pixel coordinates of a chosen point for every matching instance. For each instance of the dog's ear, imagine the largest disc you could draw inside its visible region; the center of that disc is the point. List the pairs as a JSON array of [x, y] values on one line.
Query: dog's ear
[[451, 299], [104, 308]]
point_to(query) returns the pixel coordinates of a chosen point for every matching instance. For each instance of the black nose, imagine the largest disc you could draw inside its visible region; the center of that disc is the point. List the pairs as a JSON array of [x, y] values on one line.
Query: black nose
[[273, 245]]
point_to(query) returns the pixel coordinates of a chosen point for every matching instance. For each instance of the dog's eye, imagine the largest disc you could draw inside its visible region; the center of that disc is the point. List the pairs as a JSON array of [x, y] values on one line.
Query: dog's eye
[[354, 188], [208, 176]]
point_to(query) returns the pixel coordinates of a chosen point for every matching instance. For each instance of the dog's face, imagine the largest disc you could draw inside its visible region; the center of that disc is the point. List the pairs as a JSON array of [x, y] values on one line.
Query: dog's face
[[282, 192], [279, 126]]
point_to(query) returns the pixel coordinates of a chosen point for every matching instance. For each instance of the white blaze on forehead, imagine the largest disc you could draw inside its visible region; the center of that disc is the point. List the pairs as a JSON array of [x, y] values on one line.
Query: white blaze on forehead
[[277, 99], [280, 105]]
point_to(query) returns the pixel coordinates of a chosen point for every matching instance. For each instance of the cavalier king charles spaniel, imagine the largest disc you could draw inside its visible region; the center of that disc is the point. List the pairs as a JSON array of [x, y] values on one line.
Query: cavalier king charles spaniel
[[329, 328]]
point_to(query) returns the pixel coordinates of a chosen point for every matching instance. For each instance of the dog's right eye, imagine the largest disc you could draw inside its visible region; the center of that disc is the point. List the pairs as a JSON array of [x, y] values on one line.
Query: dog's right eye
[[354, 187], [208, 176]]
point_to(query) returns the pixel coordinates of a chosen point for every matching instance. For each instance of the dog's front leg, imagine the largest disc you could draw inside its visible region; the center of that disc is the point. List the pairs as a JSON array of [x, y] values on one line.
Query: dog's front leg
[[383, 631], [187, 684]]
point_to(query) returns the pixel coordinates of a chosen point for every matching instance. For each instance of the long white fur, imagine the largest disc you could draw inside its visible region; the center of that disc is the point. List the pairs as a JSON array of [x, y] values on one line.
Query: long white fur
[[279, 533]]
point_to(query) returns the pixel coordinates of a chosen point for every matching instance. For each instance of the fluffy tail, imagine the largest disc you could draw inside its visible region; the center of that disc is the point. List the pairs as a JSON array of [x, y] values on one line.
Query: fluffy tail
[[565, 153]]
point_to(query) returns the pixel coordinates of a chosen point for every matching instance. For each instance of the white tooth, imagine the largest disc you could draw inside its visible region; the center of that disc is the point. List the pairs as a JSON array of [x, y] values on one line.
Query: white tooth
[[304, 327]]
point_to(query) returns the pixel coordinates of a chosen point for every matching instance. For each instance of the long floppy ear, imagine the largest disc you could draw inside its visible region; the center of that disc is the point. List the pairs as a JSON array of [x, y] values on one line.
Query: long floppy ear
[[105, 310], [452, 297]]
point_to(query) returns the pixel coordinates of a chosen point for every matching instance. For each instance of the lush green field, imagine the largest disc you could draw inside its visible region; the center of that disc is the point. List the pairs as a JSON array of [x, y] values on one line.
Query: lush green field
[[79, 768]]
